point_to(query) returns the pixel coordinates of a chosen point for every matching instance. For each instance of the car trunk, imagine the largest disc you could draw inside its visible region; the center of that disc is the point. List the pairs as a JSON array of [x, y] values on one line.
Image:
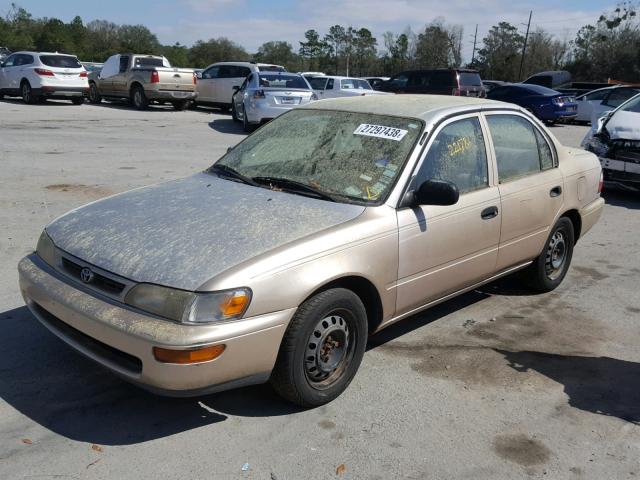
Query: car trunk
[[286, 96]]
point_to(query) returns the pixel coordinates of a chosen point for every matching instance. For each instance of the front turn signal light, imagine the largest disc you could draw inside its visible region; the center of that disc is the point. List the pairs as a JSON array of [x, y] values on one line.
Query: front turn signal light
[[184, 357]]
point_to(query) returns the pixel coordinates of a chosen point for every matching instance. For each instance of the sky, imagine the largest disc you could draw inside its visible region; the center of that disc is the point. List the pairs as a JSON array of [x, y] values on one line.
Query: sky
[[251, 23]]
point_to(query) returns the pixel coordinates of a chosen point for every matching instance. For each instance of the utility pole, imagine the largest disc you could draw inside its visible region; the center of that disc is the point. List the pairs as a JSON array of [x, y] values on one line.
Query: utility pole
[[473, 54], [524, 48]]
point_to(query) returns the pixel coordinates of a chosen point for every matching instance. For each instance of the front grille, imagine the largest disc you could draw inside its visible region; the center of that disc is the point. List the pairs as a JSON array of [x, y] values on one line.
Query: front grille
[[123, 360], [100, 282]]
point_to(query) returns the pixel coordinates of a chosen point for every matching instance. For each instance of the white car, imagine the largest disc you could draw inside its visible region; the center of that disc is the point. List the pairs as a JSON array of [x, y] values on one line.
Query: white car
[[36, 76], [266, 95], [215, 84], [335, 87], [593, 104]]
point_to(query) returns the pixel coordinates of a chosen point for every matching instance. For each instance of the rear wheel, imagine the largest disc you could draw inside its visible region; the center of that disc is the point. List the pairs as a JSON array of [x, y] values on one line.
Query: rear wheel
[[77, 101], [245, 121], [94, 94], [321, 349], [181, 105], [27, 93], [549, 269], [138, 98], [234, 114]]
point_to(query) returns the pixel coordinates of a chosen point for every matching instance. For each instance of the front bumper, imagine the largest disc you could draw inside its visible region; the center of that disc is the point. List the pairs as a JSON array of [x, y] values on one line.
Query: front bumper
[[170, 95], [121, 339]]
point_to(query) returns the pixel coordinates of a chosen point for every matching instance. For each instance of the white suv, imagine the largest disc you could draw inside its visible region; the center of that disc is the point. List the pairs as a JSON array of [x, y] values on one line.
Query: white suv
[[35, 76], [216, 82]]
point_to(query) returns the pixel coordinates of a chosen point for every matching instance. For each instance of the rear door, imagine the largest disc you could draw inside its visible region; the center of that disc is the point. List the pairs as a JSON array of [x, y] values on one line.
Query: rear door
[[530, 183], [443, 249], [8, 72], [419, 82]]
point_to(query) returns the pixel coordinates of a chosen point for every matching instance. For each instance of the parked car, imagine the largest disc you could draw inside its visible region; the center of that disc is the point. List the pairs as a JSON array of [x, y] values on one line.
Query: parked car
[[615, 138], [546, 104], [265, 95], [4, 53], [376, 82], [491, 84], [592, 105], [458, 82], [216, 87], [92, 67], [333, 87], [142, 79], [334, 221], [37, 76], [560, 80]]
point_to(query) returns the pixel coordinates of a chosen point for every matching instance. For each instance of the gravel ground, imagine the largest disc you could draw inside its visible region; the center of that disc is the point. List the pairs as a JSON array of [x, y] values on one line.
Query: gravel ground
[[496, 384]]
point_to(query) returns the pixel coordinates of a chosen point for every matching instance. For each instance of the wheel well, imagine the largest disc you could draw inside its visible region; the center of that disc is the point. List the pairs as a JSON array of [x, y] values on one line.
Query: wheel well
[[364, 289], [23, 81], [135, 85], [574, 216]]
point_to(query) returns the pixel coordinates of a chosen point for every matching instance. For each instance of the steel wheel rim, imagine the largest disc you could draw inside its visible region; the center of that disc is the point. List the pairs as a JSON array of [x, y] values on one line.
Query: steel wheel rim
[[556, 255], [329, 350], [92, 93], [137, 98]]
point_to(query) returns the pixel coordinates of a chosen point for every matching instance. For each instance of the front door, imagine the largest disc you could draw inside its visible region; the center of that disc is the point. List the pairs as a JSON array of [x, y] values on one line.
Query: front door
[[530, 183], [443, 249], [207, 85], [7, 73]]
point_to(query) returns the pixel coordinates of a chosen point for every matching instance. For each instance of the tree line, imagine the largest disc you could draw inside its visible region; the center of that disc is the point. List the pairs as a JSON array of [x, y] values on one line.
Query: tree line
[[608, 48]]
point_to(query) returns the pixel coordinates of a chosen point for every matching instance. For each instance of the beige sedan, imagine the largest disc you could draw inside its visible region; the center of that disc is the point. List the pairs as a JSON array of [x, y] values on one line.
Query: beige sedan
[[328, 224]]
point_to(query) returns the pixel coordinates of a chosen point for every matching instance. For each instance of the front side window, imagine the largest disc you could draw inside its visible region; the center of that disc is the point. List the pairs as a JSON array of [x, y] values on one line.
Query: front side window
[[10, 62], [354, 157], [457, 155], [632, 105], [520, 149], [211, 72], [399, 81], [330, 84], [596, 95]]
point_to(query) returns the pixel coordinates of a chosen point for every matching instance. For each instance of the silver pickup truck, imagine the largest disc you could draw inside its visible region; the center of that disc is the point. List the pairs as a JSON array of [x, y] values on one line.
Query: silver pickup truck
[[142, 79]]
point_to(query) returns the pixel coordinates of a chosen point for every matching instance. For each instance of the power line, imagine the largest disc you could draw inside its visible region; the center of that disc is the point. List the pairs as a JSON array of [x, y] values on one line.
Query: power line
[[524, 48]]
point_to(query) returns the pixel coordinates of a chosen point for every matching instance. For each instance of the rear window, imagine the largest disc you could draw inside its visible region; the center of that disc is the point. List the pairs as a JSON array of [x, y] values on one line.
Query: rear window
[[60, 61], [149, 62], [271, 68], [469, 79], [282, 81], [352, 83]]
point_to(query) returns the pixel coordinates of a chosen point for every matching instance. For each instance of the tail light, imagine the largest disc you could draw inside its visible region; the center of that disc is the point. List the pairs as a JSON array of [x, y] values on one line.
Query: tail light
[[601, 182], [43, 72], [455, 92], [155, 77], [258, 94], [195, 78], [83, 75]]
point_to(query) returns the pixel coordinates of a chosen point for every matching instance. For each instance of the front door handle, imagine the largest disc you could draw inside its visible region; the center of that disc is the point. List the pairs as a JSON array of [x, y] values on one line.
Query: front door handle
[[556, 191], [489, 212]]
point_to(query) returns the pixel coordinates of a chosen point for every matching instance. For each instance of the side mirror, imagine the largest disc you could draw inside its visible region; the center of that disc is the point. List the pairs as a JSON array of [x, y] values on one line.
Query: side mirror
[[436, 192], [199, 75], [235, 88]]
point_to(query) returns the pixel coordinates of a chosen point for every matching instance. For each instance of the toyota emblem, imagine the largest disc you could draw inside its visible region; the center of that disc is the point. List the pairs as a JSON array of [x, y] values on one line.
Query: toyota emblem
[[86, 275]]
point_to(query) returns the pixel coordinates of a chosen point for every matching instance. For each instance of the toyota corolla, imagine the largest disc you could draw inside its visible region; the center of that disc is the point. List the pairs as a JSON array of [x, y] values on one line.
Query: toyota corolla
[[326, 225]]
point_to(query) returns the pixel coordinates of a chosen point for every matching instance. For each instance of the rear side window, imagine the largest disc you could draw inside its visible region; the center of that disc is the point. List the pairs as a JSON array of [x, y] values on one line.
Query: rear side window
[[317, 83], [399, 81], [232, 71], [442, 79], [60, 61], [211, 72], [469, 79], [352, 83], [23, 59], [243, 71], [275, 80], [520, 149], [457, 155], [420, 79]]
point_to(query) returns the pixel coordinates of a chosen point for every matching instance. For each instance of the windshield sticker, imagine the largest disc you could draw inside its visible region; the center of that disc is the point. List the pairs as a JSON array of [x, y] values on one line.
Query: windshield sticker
[[459, 146], [353, 191], [380, 131], [383, 162], [366, 178]]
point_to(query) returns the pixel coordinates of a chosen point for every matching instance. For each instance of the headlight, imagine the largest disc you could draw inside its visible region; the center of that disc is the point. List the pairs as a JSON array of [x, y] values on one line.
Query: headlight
[[45, 249], [190, 307]]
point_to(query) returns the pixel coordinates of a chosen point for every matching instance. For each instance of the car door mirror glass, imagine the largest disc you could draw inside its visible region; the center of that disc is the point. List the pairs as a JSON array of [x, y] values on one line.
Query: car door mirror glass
[[436, 192]]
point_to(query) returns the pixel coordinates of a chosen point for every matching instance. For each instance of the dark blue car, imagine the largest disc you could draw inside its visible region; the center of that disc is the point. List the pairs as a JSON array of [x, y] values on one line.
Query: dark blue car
[[546, 104]]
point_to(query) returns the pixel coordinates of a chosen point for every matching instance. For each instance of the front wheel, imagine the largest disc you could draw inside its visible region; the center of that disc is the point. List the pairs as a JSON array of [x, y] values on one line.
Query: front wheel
[[94, 94], [549, 269], [321, 349]]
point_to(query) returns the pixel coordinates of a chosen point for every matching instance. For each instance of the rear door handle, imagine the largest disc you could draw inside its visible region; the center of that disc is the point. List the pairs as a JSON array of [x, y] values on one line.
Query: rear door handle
[[556, 191], [489, 212]]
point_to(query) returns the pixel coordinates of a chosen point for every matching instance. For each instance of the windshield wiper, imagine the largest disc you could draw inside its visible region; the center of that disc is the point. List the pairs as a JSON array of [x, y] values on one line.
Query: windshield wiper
[[232, 173], [294, 186]]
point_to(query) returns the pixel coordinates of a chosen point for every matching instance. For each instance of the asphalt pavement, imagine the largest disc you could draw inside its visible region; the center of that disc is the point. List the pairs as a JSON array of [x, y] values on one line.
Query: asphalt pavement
[[496, 384]]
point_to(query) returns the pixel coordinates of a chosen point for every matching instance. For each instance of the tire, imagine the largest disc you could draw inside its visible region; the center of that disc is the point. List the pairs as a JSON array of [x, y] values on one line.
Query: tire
[[234, 114], [247, 127], [193, 105], [77, 101], [181, 105], [94, 94], [549, 269], [27, 93], [138, 98], [335, 320]]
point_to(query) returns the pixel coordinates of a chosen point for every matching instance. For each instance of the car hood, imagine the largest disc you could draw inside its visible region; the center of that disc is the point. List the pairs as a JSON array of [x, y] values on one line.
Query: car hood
[[185, 232], [624, 125]]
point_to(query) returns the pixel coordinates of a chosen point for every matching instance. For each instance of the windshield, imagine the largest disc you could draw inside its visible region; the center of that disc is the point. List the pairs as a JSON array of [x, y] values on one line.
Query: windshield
[[282, 81], [60, 61], [351, 156], [350, 83]]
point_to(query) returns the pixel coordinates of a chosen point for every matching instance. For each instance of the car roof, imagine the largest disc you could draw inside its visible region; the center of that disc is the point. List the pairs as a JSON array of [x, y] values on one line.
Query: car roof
[[43, 53], [340, 77], [424, 107]]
